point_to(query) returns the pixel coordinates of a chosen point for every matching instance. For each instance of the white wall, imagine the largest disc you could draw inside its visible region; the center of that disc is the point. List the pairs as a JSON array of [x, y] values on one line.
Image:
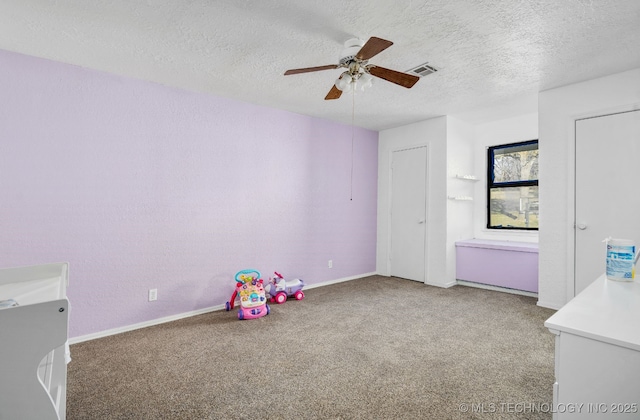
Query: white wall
[[433, 134], [450, 152], [508, 130], [553, 125], [558, 110]]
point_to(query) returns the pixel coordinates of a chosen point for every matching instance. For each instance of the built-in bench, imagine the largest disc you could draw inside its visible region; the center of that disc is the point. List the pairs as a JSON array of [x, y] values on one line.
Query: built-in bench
[[505, 264]]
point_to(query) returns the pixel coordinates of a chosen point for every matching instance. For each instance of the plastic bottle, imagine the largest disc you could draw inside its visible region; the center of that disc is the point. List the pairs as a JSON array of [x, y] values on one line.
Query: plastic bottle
[[621, 255]]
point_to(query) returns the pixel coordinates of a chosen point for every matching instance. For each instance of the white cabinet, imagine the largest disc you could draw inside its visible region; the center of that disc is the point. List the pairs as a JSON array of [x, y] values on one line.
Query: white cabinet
[[597, 364], [33, 347]]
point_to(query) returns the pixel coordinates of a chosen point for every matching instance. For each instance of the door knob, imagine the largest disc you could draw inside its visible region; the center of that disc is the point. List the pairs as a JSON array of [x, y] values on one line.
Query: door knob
[[421, 221], [581, 226]]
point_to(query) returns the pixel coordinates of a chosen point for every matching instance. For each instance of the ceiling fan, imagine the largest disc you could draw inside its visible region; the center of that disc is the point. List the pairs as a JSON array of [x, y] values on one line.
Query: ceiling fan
[[355, 58]]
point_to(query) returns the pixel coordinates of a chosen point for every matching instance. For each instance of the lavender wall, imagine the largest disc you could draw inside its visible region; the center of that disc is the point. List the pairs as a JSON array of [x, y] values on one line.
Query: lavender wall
[[142, 186]]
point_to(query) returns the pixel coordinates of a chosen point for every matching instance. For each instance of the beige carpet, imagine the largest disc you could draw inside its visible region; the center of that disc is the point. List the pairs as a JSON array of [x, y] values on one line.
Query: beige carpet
[[373, 348]]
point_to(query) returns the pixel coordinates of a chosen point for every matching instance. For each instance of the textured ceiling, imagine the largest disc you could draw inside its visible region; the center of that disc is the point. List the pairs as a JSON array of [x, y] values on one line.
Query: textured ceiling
[[488, 52]]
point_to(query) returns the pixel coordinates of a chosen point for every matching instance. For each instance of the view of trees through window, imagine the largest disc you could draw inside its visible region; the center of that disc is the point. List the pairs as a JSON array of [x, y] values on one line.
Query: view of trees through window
[[513, 186]]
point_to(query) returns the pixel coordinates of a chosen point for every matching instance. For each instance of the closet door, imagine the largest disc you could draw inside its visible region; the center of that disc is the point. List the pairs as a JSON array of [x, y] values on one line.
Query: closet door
[[408, 213], [607, 193]]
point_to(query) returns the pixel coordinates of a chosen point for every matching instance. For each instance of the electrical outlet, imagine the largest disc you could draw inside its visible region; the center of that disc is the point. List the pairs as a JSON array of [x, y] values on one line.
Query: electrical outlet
[[153, 295], [330, 264]]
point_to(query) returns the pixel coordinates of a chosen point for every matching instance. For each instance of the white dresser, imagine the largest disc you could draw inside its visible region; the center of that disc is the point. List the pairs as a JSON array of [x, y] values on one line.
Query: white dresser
[[597, 360], [33, 337]]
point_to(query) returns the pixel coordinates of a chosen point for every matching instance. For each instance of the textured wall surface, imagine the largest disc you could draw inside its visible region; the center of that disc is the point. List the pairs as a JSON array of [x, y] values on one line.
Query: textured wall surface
[[141, 186], [486, 51]]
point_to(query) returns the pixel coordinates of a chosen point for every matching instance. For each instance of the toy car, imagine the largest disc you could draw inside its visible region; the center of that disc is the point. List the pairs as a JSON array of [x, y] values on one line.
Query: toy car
[[279, 289]]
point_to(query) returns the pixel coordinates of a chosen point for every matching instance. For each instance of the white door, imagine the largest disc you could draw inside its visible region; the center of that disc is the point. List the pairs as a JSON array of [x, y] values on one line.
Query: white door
[[408, 213], [607, 193]]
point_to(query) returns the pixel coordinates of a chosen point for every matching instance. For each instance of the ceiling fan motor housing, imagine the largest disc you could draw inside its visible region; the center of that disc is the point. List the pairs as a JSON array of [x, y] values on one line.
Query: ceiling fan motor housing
[[351, 48]]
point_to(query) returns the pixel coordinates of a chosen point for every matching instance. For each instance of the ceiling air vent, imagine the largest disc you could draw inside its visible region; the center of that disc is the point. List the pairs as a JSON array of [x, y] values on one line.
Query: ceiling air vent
[[422, 70]]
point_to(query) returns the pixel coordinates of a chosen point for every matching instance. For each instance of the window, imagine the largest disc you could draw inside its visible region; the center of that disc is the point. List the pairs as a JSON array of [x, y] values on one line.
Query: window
[[512, 187]]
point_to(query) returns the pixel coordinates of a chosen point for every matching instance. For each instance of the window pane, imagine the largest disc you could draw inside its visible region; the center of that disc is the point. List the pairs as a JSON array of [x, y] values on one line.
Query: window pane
[[515, 163], [513, 207]]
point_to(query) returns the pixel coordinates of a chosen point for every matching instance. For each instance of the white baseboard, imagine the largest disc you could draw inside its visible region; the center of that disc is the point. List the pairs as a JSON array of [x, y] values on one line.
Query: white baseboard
[[549, 305], [442, 285], [496, 288], [144, 324], [176, 317], [342, 280]]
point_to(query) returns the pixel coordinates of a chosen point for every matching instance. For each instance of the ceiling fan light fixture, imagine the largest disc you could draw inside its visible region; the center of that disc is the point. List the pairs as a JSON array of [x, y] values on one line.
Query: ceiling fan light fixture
[[344, 81], [348, 86], [365, 81], [354, 82]]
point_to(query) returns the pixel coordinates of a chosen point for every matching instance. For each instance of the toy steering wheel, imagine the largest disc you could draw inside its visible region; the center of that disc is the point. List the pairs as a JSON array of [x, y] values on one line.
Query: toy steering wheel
[[246, 272]]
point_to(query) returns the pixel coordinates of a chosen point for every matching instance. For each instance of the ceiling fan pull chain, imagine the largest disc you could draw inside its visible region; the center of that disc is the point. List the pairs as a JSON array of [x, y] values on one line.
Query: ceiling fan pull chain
[[353, 121]]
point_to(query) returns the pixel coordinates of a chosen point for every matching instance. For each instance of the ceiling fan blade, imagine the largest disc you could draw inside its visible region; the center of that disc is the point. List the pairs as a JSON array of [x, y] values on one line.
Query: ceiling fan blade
[[310, 69], [334, 93], [373, 47], [399, 78]]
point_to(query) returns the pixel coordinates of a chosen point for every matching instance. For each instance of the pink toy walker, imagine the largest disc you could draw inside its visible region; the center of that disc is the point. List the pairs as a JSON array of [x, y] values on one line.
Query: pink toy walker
[[253, 302]]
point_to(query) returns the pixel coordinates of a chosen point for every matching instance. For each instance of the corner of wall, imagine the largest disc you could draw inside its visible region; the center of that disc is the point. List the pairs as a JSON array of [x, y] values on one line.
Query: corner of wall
[[460, 162]]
